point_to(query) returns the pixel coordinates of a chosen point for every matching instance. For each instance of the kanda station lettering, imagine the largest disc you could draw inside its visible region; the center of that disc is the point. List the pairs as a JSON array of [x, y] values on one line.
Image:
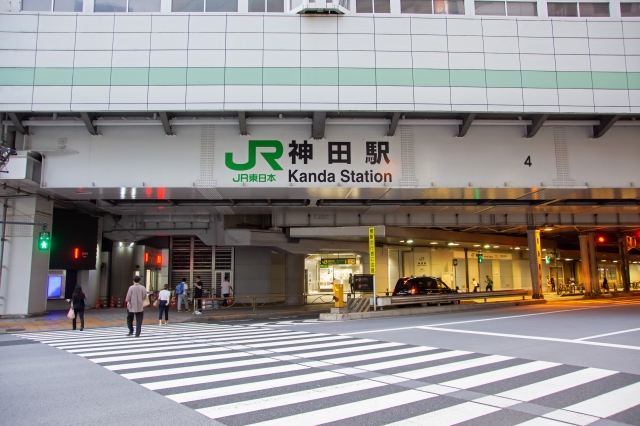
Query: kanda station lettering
[[274, 162]]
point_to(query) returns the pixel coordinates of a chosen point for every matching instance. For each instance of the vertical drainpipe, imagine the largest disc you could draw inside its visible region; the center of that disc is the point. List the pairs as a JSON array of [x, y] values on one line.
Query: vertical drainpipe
[[2, 235]]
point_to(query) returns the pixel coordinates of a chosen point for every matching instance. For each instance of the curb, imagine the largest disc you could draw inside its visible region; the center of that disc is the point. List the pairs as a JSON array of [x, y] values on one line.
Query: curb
[[230, 317], [427, 310]]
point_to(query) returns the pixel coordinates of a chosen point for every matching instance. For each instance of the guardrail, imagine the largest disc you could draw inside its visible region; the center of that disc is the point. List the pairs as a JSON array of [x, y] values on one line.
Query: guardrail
[[254, 301], [449, 297]]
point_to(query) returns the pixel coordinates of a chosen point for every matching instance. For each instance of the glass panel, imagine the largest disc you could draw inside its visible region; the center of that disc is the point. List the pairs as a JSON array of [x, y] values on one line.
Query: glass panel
[[144, 5], [187, 6], [562, 9], [629, 9], [110, 6], [54, 288], [222, 5], [276, 6], [295, 3], [67, 6], [449, 7], [490, 8], [598, 10], [522, 8], [364, 6], [416, 6], [36, 5], [256, 5], [381, 6]]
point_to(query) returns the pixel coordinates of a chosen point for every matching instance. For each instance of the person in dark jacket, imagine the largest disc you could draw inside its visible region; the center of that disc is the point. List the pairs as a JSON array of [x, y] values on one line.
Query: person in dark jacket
[[78, 300]]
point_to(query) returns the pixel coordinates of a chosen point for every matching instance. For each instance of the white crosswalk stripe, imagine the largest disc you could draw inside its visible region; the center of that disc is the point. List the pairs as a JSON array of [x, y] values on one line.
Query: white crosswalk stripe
[[255, 375]]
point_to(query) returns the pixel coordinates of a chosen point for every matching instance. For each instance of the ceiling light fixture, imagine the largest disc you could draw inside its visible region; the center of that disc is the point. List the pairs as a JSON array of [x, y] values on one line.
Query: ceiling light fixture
[[517, 248], [568, 260], [433, 242], [547, 228], [453, 244], [477, 245], [409, 241], [496, 246], [402, 241], [487, 246]]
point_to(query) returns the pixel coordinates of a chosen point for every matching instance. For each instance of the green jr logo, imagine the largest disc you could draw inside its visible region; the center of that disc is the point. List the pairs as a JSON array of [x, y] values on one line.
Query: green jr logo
[[270, 157]]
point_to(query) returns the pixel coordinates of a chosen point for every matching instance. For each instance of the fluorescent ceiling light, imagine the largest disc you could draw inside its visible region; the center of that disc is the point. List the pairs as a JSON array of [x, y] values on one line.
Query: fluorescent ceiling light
[[433, 242], [496, 246], [402, 241], [487, 246], [517, 248], [409, 241], [477, 245]]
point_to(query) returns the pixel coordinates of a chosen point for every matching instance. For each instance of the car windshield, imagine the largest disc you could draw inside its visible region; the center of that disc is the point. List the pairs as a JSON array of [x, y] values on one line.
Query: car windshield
[[442, 285]]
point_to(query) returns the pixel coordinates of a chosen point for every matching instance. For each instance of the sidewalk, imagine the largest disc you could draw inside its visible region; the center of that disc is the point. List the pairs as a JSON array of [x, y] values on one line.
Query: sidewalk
[[57, 320]]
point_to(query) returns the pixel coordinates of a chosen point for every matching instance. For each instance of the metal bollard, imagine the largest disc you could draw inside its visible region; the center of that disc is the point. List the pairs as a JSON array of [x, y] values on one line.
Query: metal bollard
[[338, 295]]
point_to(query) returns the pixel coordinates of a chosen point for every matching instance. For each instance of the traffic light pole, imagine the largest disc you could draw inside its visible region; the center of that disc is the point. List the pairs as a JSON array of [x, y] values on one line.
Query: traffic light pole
[[624, 262]]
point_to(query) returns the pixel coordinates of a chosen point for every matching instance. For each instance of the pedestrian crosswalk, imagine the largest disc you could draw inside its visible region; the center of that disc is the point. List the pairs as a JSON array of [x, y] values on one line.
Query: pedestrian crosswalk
[[254, 375]]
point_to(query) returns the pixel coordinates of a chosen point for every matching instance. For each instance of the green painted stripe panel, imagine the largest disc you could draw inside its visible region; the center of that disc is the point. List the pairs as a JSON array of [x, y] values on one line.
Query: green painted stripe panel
[[91, 76], [281, 76], [130, 76], [243, 76], [574, 80], [539, 79], [319, 76], [394, 77], [53, 76], [167, 76], [609, 80], [17, 76], [633, 79], [468, 78], [430, 78], [357, 77], [504, 78], [205, 76]]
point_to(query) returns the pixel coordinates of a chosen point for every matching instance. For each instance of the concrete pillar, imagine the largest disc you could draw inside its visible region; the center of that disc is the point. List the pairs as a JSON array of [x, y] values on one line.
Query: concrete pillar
[[585, 264], [624, 262], [593, 263], [535, 261], [294, 279], [23, 285]]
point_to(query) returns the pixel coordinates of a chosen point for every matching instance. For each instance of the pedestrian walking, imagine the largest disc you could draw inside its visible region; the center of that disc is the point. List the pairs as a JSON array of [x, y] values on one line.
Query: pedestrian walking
[[351, 287], [135, 305], [197, 294], [181, 292], [553, 284], [489, 284], [605, 285], [226, 290], [476, 285], [165, 301], [78, 301]]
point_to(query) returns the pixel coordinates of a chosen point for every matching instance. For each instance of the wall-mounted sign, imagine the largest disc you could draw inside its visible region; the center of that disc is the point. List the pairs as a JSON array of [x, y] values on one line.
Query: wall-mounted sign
[[485, 255], [345, 261], [280, 162], [372, 251]]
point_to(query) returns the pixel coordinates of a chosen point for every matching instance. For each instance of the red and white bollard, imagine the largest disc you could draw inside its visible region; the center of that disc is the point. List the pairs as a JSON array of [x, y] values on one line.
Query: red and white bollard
[[113, 305], [97, 302], [119, 305]]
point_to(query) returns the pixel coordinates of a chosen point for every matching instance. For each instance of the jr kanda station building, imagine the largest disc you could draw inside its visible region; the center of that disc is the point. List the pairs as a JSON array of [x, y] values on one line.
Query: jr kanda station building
[[259, 140]]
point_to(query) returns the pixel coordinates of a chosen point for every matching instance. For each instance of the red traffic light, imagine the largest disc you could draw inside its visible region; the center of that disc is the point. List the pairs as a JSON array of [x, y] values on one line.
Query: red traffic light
[[159, 259], [146, 257], [76, 253], [600, 239]]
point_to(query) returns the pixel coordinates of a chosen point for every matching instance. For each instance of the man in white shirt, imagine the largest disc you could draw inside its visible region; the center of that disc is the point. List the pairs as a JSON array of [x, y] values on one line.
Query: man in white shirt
[[226, 290]]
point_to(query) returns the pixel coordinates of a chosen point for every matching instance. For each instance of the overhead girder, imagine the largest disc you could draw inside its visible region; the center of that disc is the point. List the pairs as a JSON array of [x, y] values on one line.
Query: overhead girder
[[467, 119], [606, 122], [319, 121], [537, 122], [88, 122], [165, 123]]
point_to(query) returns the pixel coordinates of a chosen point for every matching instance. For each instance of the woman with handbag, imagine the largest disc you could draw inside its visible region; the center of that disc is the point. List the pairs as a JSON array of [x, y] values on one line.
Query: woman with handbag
[[78, 302], [164, 299]]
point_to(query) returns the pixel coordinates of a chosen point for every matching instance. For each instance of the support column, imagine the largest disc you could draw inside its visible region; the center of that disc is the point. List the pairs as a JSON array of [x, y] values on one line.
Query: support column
[[294, 279], [593, 264], [535, 261], [23, 289], [585, 265], [624, 262]]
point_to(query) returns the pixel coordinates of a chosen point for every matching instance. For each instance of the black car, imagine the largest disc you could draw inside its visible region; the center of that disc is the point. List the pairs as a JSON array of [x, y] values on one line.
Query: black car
[[421, 285]]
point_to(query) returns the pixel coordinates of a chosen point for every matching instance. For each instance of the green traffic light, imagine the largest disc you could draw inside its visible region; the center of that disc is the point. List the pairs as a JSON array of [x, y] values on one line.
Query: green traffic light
[[44, 238], [479, 258]]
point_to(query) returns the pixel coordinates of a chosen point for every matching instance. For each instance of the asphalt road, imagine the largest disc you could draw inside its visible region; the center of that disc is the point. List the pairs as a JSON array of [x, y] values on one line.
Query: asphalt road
[[558, 364]]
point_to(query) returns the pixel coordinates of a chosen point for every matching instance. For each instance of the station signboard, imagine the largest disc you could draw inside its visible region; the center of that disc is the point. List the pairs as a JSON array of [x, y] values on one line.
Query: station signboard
[[485, 255]]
